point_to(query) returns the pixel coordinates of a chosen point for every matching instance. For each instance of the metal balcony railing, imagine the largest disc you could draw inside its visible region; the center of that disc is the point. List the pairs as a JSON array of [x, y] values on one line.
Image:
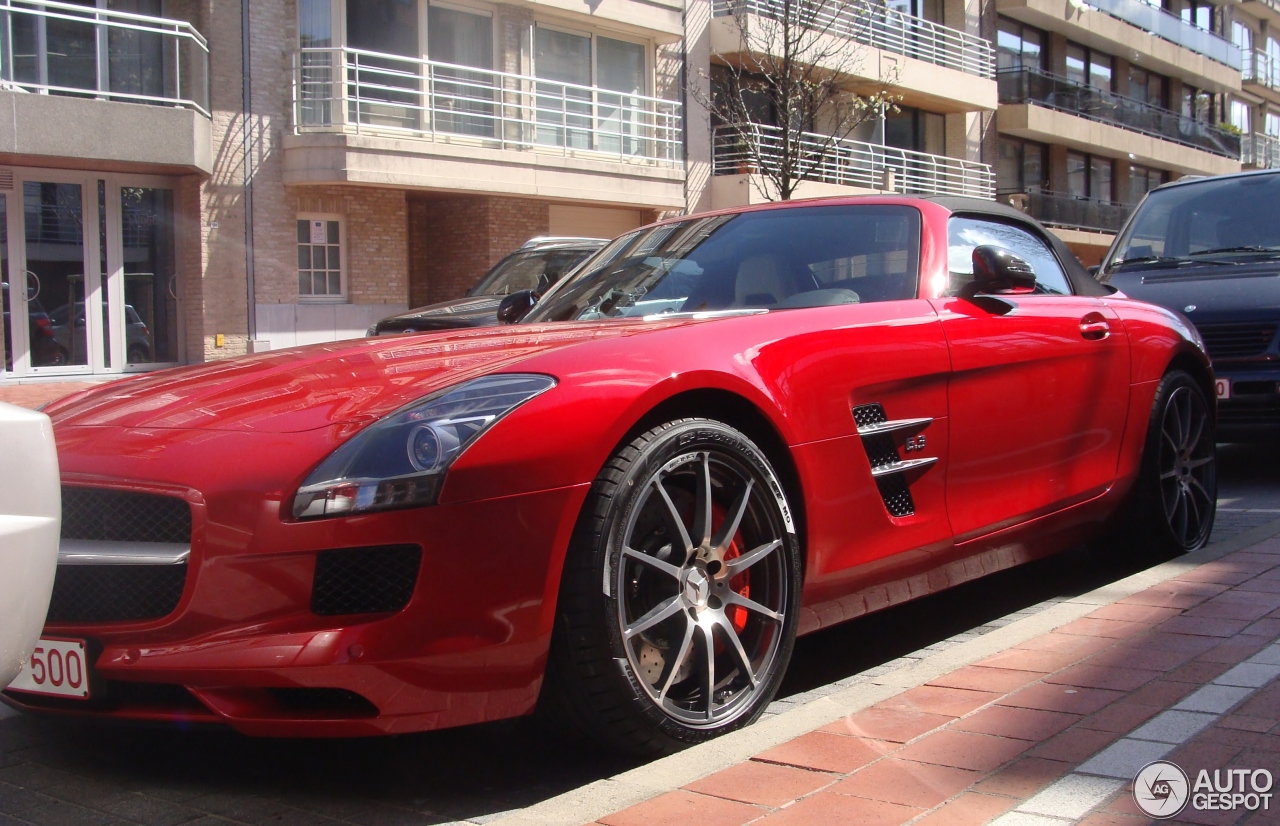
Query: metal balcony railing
[[872, 24], [56, 48], [851, 163], [1260, 151], [1054, 92], [1058, 209], [1261, 68], [1169, 27], [359, 91]]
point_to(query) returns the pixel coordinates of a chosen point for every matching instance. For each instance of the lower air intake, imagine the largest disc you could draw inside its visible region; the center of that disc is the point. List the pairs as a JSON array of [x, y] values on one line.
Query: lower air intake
[[115, 593], [365, 580]]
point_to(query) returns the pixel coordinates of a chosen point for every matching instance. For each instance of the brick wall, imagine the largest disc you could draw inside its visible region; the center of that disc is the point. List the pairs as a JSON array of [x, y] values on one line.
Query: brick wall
[[455, 240], [376, 222]]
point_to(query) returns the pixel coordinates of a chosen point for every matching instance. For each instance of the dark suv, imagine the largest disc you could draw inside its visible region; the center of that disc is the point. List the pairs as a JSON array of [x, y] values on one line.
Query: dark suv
[[1209, 248], [537, 265]]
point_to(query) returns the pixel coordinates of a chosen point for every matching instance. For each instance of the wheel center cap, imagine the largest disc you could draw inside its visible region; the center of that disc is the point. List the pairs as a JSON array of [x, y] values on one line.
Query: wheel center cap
[[697, 588]]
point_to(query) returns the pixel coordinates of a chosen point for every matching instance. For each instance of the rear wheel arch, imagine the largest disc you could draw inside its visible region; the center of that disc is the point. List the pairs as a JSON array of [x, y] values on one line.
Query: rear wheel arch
[[1192, 362]]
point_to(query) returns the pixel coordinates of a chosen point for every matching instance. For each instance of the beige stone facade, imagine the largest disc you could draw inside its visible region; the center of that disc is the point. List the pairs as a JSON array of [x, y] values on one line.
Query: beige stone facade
[[423, 199], [1099, 103]]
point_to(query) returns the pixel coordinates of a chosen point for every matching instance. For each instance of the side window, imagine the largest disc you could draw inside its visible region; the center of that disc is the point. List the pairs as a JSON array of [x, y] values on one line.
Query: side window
[[964, 234]]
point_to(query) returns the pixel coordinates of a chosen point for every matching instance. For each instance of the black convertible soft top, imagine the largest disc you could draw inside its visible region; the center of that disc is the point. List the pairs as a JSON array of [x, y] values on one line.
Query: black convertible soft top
[[1081, 281]]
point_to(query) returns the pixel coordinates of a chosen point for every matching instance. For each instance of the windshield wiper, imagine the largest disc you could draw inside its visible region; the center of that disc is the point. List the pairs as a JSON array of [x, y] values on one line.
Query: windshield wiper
[[701, 314], [1245, 248], [1164, 259]]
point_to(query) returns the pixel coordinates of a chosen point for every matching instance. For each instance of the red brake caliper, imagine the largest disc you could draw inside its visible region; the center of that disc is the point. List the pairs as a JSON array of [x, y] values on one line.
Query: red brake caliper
[[740, 583]]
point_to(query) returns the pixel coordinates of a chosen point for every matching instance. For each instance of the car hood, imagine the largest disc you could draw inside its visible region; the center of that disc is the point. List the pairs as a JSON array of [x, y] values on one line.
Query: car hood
[[474, 311], [321, 385], [1207, 293]]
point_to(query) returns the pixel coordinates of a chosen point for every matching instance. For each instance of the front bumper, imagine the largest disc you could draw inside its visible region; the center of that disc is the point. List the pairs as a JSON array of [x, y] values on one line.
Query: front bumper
[[1252, 412], [244, 647]]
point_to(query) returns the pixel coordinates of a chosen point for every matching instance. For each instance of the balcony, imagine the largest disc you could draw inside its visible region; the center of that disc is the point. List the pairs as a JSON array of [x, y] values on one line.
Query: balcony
[[54, 48], [1058, 209], [1166, 26], [1261, 69], [1260, 151], [1058, 93], [872, 24], [856, 164], [135, 86], [429, 100]]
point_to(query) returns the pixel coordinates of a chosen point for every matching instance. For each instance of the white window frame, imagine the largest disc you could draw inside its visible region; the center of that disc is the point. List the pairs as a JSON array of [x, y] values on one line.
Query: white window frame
[[344, 276], [650, 59]]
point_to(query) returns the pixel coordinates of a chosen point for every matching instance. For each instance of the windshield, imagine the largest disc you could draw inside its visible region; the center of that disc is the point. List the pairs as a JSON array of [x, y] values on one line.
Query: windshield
[[1216, 222], [772, 259], [530, 270]]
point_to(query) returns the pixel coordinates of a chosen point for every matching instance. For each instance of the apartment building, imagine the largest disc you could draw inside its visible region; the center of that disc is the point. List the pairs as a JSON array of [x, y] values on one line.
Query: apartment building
[[932, 57], [1101, 102], [1254, 28], [182, 180]]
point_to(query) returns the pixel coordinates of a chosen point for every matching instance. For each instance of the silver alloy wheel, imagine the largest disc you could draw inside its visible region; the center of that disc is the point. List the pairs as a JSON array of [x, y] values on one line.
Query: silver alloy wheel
[[1188, 474], [702, 587]]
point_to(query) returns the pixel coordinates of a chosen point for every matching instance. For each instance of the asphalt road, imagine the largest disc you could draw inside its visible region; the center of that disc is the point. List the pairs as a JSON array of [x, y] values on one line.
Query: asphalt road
[[63, 774]]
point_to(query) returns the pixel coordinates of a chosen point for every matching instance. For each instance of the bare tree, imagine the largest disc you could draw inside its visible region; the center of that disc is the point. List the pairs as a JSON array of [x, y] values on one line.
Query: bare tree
[[795, 64]]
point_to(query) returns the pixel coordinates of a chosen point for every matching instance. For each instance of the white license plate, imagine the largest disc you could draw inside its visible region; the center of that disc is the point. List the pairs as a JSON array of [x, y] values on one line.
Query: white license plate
[[1223, 388], [57, 667]]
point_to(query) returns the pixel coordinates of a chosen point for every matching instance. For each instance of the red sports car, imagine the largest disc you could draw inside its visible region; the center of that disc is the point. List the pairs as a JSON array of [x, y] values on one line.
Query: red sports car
[[735, 428]]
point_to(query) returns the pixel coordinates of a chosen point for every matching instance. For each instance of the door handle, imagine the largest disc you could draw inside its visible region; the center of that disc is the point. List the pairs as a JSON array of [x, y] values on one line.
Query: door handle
[[1093, 327]]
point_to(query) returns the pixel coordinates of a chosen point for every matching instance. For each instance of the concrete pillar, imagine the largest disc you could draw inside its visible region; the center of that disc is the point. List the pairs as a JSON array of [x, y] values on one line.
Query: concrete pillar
[[697, 120]]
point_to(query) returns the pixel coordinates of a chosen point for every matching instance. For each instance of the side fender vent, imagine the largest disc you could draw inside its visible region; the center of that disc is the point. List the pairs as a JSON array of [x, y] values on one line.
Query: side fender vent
[[879, 439]]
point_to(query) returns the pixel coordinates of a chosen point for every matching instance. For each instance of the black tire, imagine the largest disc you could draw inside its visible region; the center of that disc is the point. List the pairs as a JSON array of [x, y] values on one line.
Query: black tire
[[137, 355], [1174, 501], [628, 667]]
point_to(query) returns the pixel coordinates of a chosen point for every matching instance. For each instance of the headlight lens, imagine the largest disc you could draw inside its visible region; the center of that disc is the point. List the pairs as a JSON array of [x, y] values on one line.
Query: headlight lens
[[400, 461]]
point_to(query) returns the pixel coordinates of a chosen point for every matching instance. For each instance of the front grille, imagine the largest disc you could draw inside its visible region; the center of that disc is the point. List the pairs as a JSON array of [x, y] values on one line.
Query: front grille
[[1264, 412], [365, 580], [115, 593], [124, 516], [1237, 339]]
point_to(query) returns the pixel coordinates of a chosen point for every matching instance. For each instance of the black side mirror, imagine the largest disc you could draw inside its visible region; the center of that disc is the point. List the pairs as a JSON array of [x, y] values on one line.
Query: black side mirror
[[516, 306], [997, 271]]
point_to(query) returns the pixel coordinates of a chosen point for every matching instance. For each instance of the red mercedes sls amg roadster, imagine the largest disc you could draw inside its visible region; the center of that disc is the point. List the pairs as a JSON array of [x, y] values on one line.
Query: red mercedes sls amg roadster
[[731, 429]]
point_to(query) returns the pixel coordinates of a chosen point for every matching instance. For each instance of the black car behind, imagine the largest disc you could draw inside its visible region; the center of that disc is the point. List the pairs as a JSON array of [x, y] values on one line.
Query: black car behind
[[1209, 248], [537, 265]]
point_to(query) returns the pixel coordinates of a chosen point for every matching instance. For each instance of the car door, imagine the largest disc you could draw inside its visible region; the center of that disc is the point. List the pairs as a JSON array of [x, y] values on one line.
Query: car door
[[1038, 393]]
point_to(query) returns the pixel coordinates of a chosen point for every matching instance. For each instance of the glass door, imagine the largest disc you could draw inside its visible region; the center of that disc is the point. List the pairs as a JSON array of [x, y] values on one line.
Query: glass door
[[55, 279], [142, 285]]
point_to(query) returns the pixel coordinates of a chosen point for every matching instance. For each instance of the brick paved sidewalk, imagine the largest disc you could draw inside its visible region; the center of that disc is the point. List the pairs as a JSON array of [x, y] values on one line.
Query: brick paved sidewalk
[[37, 393], [1051, 731]]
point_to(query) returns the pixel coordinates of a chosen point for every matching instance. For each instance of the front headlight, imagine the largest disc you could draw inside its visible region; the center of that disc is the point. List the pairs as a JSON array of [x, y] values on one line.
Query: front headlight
[[400, 461]]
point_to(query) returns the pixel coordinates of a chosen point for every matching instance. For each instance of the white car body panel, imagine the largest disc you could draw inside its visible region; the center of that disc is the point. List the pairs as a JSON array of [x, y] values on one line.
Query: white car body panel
[[30, 522]]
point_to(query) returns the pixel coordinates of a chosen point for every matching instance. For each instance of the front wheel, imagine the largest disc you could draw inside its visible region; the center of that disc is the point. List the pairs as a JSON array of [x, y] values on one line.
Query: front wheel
[[679, 601]]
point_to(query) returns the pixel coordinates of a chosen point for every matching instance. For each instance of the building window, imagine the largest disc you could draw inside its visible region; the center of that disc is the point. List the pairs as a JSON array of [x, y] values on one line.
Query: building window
[[1198, 104], [917, 130], [1089, 176], [1148, 87], [1023, 166], [1271, 125], [1089, 68], [320, 258], [1242, 117], [1019, 47], [1143, 179], [1202, 15], [1242, 36]]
